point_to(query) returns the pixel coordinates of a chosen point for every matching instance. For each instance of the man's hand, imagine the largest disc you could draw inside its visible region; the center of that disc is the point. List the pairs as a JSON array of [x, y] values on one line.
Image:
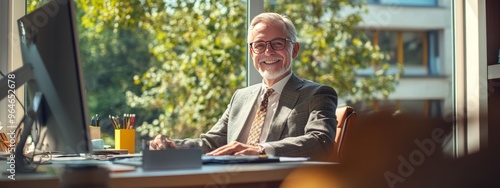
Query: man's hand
[[159, 142], [236, 148]]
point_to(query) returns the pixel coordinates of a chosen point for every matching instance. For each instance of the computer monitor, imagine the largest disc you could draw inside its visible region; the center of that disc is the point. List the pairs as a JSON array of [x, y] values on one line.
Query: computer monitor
[[49, 45]]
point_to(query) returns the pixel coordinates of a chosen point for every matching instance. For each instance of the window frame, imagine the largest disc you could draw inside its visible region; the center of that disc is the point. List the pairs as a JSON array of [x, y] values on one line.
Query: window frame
[[469, 77], [10, 50], [423, 70], [254, 7]]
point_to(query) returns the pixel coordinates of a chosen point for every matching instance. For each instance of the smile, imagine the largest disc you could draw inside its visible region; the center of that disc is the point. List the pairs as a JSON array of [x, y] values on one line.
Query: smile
[[270, 61]]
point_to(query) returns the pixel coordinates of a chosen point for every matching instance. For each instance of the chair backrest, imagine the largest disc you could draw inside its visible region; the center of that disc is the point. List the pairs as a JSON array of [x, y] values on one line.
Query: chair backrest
[[346, 117]]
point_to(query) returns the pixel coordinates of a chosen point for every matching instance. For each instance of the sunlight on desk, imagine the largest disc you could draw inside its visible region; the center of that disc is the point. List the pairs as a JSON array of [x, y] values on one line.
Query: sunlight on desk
[[215, 175]]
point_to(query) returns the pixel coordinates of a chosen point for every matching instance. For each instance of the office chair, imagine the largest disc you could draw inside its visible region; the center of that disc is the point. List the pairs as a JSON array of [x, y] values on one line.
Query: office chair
[[346, 117]]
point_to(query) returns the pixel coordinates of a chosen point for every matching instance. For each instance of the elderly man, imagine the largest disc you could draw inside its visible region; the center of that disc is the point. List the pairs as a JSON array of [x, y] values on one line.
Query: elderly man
[[282, 116]]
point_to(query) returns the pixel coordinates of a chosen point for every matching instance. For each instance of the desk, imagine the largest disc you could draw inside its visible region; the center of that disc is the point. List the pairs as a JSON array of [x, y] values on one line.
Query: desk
[[232, 175]]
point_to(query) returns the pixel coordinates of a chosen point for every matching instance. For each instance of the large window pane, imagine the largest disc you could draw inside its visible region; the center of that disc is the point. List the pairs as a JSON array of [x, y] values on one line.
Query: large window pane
[[332, 49], [173, 63], [413, 48], [416, 48], [409, 49], [435, 67], [388, 42]]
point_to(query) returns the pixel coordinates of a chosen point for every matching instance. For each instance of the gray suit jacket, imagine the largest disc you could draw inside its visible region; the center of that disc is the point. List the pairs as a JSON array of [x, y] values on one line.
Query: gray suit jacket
[[304, 124]]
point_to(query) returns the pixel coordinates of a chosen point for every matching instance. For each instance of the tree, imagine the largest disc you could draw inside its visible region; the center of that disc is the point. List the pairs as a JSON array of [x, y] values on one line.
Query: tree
[[196, 54], [333, 49], [112, 53], [202, 45], [204, 50]]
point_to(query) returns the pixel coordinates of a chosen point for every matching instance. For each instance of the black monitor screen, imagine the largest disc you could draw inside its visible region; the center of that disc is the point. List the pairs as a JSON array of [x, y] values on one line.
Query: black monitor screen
[[49, 43]]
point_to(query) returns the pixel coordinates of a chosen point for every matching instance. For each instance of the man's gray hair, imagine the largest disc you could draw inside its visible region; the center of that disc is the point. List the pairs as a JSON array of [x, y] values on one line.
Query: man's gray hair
[[270, 17]]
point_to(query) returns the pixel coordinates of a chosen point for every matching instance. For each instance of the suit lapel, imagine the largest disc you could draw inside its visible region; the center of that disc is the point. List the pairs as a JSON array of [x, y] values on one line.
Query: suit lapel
[[287, 102], [235, 130]]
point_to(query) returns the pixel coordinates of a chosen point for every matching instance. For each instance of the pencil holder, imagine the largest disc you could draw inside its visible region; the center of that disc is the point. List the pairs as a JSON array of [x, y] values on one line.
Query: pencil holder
[[125, 139], [95, 132]]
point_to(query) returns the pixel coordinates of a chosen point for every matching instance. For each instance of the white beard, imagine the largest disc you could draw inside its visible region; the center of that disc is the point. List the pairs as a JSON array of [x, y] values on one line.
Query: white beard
[[270, 74]]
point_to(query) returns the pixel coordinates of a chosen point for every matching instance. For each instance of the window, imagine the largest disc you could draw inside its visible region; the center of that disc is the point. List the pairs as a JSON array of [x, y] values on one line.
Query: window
[[10, 56], [388, 42], [414, 49], [177, 63], [4, 20], [417, 51], [4, 10]]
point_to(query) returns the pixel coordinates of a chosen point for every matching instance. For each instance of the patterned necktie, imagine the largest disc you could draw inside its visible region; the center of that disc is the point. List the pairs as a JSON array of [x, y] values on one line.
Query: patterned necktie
[[258, 122]]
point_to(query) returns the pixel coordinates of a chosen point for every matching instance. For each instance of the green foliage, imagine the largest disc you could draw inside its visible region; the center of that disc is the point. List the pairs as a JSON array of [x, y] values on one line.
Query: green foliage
[[176, 63], [199, 70], [113, 51], [202, 46], [332, 49]]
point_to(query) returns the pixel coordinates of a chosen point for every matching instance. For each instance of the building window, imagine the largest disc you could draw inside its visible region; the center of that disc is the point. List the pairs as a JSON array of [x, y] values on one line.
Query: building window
[[416, 51], [414, 48], [388, 42]]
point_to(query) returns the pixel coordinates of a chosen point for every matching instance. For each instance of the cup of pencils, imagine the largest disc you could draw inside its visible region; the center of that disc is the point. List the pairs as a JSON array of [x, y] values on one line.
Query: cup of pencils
[[124, 132], [95, 127]]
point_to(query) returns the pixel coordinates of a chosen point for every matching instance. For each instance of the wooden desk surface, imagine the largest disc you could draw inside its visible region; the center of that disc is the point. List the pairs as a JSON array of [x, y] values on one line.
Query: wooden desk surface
[[230, 175]]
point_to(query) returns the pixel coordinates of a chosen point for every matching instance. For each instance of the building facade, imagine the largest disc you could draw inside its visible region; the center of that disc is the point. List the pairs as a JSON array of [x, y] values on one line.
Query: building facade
[[418, 36]]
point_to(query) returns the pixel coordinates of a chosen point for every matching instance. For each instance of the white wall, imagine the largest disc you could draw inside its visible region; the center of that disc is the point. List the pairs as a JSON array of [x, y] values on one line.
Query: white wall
[[404, 17], [10, 59]]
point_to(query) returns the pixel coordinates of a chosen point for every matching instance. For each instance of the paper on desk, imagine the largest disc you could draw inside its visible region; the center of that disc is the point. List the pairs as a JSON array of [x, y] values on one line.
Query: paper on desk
[[293, 159]]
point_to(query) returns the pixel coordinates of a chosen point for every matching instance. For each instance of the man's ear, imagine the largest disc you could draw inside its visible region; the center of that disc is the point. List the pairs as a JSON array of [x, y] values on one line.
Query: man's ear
[[251, 51], [295, 51]]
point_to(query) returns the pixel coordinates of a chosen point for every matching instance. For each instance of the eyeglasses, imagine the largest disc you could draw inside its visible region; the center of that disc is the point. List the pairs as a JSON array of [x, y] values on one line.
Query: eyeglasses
[[276, 44]]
